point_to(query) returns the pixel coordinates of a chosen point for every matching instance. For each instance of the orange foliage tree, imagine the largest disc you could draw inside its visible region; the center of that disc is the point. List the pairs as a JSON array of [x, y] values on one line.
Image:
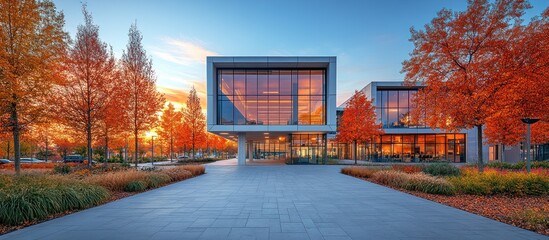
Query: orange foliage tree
[[90, 82], [144, 100], [358, 123], [32, 43], [168, 126], [195, 120], [526, 95], [462, 59]]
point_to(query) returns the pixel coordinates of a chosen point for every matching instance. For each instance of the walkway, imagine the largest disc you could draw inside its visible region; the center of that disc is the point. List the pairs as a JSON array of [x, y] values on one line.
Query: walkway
[[255, 162], [272, 202]]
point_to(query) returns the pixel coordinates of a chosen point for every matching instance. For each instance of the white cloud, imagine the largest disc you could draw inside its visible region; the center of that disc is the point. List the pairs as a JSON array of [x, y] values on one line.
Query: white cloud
[[183, 52]]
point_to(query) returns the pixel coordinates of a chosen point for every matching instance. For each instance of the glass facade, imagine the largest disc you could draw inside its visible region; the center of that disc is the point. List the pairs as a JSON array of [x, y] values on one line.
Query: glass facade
[[447, 147], [307, 149], [393, 108], [271, 97]]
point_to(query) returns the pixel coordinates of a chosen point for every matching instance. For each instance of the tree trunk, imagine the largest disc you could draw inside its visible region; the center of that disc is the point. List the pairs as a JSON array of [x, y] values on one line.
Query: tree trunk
[[355, 151], [16, 136], [16, 151], [136, 150], [9, 149], [171, 148], [126, 151], [46, 155], [479, 148], [193, 145], [106, 147], [90, 151]]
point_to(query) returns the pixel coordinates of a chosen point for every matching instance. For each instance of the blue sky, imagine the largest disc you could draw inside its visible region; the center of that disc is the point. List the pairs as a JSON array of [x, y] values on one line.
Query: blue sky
[[369, 38]]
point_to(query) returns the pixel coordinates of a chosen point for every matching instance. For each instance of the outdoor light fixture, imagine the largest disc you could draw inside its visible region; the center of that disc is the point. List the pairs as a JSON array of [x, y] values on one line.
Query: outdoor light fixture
[[528, 122]]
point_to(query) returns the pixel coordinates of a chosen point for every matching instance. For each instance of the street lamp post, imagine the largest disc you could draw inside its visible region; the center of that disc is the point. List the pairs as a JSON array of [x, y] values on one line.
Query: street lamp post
[[528, 122]]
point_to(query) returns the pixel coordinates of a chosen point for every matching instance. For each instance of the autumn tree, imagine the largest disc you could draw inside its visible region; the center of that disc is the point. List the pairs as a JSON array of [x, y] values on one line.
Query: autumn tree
[[144, 101], [195, 120], [114, 122], [358, 123], [182, 136], [168, 126], [460, 58], [90, 82], [32, 44]]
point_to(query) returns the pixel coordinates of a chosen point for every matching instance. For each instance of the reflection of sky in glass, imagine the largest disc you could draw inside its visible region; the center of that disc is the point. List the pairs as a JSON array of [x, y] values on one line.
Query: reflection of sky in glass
[[274, 97]]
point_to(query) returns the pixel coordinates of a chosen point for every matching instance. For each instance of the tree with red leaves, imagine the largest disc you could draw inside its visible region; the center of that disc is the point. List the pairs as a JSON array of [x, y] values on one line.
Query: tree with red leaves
[[463, 59], [358, 123]]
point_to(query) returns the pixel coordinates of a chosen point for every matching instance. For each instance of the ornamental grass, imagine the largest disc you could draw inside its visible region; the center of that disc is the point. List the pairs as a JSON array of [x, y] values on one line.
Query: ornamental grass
[[492, 182], [407, 168], [360, 172], [177, 173], [420, 182], [117, 181], [441, 169], [194, 169], [35, 197]]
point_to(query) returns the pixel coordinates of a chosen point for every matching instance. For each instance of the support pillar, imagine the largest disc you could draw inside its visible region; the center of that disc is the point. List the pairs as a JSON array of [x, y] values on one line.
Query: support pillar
[[241, 149], [251, 150]]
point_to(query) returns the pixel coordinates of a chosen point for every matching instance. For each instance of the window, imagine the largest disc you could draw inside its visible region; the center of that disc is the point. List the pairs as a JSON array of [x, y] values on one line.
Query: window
[[271, 96], [418, 148], [394, 108]]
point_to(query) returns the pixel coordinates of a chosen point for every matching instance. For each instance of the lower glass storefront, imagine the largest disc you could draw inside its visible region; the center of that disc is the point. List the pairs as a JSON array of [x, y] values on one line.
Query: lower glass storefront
[[447, 147], [307, 149], [293, 149]]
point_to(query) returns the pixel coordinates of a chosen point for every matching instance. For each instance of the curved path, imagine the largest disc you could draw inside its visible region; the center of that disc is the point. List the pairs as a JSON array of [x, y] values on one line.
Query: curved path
[[272, 202]]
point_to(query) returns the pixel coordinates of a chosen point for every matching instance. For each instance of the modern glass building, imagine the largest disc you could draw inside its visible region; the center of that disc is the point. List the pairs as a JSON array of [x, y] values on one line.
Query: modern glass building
[[404, 141], [274, 107]]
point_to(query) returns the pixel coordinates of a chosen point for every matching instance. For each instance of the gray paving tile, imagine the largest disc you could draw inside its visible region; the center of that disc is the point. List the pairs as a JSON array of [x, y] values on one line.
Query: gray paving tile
[[249, 234], [272, 202], [292, 227]]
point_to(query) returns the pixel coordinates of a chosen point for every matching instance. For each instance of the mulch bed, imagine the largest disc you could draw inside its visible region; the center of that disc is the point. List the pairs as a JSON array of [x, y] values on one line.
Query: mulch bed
[[500, 208]]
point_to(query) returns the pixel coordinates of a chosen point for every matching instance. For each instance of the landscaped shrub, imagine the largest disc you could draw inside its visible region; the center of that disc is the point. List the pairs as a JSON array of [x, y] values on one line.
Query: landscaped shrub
[[414, 182], [155, 180], [62, 169], [504, 165], [534, 219], [177, 173], [441, 169], [407, 168], [117, 181], [34, 197], [361, 172], [135, 186], [518, 165], [42, 165], [496, 182], [194, 169]]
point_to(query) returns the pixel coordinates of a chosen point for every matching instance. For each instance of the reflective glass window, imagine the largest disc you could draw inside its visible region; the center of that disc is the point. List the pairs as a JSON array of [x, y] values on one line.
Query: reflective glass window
[[226, 83], [317, 82], [251, 82], [271, 96]]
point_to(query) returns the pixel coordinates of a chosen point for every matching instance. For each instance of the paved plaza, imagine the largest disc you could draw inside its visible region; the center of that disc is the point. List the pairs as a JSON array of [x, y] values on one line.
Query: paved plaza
[[272, 202]]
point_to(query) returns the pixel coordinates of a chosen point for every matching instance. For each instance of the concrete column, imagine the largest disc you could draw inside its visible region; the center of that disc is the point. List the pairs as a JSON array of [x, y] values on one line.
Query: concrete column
[[241, 148], [251, 150]]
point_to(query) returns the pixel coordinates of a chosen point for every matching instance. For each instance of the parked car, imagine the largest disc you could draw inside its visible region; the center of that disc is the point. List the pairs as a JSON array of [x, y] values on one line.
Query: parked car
[[73, 158], [182, 158], [31, 160], [4, 161]]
